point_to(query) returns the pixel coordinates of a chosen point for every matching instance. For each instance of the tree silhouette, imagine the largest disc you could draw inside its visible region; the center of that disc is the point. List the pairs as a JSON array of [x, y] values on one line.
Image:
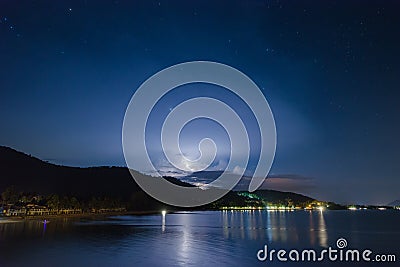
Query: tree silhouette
[[9, 196]]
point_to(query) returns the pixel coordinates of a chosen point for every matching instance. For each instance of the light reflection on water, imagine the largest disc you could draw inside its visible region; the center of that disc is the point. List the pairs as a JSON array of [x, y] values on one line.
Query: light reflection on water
[[274, 226], [226, 238]]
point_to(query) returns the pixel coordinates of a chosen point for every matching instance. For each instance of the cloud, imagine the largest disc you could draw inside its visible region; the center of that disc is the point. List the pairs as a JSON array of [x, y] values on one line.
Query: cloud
[[238, 170], [220, 166], [290, 182], [285, 182]]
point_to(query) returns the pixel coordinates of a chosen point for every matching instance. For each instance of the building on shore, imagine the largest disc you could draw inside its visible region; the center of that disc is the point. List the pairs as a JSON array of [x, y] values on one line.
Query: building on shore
[[36, 210], [15, 211]]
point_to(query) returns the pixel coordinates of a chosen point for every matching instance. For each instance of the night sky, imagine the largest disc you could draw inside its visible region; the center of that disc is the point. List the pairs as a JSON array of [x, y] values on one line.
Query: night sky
[[329, 70]]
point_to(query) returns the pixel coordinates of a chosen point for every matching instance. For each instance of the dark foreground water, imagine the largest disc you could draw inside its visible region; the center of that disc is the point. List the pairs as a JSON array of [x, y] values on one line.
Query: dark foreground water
[[197, 238]]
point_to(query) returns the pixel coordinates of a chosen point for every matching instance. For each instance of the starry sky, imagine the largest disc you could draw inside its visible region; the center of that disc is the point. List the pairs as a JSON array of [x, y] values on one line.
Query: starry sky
[[329, 70]]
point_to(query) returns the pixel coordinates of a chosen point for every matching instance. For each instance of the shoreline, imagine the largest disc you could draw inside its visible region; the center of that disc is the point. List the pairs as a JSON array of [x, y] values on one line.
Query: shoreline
[[78, 216], [11, 219]]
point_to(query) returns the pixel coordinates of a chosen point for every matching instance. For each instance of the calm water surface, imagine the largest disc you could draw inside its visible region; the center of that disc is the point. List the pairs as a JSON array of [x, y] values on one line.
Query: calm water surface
[[195, 238]]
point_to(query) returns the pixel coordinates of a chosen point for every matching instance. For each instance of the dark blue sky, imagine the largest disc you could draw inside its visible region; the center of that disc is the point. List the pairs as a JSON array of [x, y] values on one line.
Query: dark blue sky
[[329, 69]]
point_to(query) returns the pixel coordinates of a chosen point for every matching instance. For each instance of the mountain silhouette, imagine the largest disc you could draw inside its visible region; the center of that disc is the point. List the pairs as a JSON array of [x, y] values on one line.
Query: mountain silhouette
[[30, 174]]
